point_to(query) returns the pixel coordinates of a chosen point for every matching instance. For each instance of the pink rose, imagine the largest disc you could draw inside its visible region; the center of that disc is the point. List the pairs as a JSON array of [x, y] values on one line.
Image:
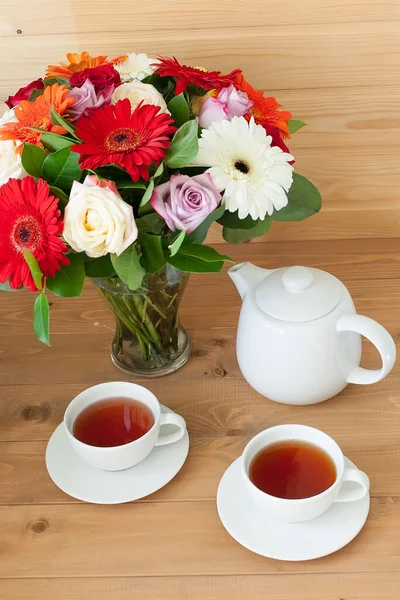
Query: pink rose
[[184, 202], [86, 97], [229, 103]]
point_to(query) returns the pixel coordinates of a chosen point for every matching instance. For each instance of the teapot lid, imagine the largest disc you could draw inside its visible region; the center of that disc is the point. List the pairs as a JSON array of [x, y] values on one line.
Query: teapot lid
[[298, 294]]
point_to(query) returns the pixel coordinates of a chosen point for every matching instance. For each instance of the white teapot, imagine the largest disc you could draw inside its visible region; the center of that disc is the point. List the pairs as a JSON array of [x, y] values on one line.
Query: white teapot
[[299, 337]]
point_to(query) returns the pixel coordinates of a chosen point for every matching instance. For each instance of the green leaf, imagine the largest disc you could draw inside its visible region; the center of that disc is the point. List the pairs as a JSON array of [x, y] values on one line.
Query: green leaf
[[121, 177], [232, 221], [151, 223], [184, 146], [179, 109], [113, 172], [32, 159], [128, 267], [161, 84], [147, 194], [62, 197], [54, 141], [56, 119], [304, 200], [192, 264], [41, 318], [294, 125], [131, 185], [5, 287], [35, 94], [159, 171], [177, 243], [235, 236], [69, 281], [205, 253], [152, 257], [200, 233], [53, 80], [61, 168], [99, 267], [34, 269]]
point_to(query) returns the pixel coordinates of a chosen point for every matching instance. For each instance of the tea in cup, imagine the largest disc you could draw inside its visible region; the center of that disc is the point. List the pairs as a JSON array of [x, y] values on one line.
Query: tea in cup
[[114, 426], [295, 473]]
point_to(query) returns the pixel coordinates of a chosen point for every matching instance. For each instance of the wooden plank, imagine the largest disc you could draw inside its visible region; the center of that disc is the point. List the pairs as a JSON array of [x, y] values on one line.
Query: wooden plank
[[81, 358], [221, 417], [319, 49], [213, 408], [340, 117], [332, 224], [346, 586], [83, 17], [170, 538], [90, 315], [212, 332], [361, 265], [359, 169]]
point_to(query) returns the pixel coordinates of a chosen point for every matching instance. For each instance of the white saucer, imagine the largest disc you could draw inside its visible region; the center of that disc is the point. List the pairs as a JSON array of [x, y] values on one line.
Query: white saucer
[[80, 480], [286, 541]]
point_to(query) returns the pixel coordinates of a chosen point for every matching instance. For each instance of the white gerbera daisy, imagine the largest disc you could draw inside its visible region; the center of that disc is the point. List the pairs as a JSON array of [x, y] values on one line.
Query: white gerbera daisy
[[255, 175], [135, 66]]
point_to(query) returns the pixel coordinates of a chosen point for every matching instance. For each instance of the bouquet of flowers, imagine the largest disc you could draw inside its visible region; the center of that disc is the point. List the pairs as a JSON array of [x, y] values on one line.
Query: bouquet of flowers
[[115, 170]]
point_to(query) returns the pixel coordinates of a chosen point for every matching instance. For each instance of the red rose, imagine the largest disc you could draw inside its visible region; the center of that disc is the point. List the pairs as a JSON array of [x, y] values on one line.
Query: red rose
[[276, 139], [101, 77], [24, 93]]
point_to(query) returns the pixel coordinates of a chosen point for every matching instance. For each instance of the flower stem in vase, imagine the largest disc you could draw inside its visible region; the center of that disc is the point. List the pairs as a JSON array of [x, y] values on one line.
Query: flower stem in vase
[[149, 339]]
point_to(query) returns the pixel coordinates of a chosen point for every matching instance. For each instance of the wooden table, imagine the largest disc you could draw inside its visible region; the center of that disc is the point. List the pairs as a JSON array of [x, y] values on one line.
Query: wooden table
[[172, 545]]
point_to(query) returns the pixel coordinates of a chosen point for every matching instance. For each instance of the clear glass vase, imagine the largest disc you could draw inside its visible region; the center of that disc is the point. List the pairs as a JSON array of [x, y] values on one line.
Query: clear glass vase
[[149, 340]]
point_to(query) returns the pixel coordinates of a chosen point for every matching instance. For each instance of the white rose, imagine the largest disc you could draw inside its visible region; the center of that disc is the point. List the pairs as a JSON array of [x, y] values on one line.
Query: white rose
[[138, 92], [96, 219], [136, 66], [8, 117], [10, 159]]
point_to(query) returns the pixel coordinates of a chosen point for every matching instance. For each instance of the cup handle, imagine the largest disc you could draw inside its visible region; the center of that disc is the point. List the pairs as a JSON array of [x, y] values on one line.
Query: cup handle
[[381, 339], [356, 476], [175, 436]]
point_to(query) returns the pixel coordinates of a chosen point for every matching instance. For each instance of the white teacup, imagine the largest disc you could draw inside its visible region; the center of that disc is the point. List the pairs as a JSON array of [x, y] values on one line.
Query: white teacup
[[295, 511], [116, 458]]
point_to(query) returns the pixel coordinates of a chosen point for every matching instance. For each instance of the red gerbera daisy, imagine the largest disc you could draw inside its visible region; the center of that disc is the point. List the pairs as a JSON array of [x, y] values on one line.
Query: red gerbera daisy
[[112, 135], [30, 220], [185, 75]]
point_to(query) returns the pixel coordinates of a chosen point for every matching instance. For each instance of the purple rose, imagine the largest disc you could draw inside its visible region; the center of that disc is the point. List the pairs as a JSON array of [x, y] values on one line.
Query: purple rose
[[86, 97], [184, 202], [229, 103]]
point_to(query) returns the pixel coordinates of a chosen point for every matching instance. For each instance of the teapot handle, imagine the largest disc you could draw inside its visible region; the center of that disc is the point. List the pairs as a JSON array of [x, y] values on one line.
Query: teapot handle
[[381, 339]]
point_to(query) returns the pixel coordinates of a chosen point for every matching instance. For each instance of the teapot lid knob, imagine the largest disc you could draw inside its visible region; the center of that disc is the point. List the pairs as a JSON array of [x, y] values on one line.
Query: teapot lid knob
[[297, 279]]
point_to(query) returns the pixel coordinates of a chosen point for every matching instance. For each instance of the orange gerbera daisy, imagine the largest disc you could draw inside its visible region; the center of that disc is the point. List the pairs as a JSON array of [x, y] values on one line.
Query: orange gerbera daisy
[[37, 114], [78, 62], [265, 110]]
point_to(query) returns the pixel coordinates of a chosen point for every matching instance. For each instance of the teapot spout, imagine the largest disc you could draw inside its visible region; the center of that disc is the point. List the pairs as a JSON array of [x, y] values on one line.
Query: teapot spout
[[247, 276]]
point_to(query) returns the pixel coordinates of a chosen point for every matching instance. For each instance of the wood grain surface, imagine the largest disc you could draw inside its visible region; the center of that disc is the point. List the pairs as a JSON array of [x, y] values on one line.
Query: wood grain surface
[[334, 63], [172, 545]]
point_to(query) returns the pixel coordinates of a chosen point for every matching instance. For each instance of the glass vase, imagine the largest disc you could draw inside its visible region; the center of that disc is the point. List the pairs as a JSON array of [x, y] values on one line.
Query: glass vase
[[149, 340]]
